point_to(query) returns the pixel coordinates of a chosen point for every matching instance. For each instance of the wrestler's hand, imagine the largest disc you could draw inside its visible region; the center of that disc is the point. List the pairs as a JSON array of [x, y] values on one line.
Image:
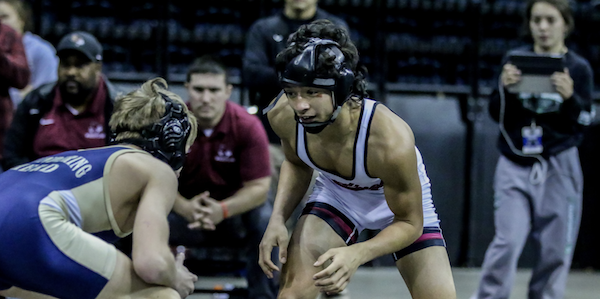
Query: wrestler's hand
[[510, 74], [563, 83], [184, 281], [276, 235], [335, 277]]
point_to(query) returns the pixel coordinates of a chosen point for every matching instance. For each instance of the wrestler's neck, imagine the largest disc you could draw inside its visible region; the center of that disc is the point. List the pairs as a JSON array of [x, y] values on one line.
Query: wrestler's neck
[[343, 127], [126, 144]]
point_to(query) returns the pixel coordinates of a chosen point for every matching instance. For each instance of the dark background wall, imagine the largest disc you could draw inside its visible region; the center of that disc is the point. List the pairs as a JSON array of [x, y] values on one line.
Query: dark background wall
[[440, 135], [431, 61]]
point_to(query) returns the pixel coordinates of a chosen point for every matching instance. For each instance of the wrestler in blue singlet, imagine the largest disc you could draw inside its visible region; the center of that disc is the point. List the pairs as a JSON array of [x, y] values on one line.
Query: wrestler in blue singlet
[[54, 214]]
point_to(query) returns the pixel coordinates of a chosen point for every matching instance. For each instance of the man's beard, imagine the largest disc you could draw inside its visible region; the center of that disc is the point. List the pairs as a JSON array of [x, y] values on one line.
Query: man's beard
[[74, 99]]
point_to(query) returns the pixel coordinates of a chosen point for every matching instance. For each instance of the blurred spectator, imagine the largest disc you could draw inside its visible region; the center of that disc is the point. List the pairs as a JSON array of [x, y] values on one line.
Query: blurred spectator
[[72, 113], [539, 182], [265, 39], [41, 55], [13, 73], [226, 175]]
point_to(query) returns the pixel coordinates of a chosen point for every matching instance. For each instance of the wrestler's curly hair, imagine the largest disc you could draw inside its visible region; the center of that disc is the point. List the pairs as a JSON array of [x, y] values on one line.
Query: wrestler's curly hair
[[326, 67]]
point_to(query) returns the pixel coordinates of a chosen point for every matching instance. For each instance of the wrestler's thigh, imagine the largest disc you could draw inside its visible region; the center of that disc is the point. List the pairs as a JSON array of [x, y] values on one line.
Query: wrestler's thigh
[[311, 238], [125, 283], [427, 273]]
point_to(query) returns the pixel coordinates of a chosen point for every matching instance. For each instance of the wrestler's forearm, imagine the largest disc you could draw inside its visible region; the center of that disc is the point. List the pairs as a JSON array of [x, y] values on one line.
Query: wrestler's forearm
[[293, 183], [180, 206], [398, 235], [406, 226], [156, 264]]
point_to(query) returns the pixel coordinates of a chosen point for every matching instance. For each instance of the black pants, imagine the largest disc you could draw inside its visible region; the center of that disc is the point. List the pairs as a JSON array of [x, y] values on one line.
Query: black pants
[[242, 231]]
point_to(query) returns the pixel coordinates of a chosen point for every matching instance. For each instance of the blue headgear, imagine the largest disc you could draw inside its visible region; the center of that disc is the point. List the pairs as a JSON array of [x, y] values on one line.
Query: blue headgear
[[165, 139], [302, 71]]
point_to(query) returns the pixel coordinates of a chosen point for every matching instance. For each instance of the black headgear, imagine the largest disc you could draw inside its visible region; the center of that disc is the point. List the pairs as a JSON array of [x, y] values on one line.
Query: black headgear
[[165, 139], [302, 71]]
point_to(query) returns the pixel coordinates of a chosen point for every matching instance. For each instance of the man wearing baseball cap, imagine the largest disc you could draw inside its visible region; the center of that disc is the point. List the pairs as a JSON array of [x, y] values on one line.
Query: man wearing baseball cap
[[69, 114], [82, 42]]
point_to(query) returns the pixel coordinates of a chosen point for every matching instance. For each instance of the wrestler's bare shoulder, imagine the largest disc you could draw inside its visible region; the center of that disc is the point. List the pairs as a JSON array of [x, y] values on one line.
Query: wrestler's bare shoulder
[[389, 134], [388, 125], [279, 117], [136, 168]]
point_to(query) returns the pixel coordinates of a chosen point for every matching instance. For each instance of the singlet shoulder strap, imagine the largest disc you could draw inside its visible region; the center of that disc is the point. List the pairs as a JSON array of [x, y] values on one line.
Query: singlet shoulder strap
[[272, 105], [363, 136]]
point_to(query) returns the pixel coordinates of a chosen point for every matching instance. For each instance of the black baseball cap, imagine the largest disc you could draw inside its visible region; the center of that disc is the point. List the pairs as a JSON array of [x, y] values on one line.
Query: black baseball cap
[[83, 42]]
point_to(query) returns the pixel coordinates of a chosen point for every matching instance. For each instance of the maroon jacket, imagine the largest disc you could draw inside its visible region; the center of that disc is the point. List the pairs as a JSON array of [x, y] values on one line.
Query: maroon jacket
[[14, 72]]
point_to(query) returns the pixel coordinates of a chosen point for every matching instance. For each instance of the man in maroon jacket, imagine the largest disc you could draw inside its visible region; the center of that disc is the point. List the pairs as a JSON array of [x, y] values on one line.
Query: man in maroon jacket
[[226, 175], [14, 72], [69, 114]]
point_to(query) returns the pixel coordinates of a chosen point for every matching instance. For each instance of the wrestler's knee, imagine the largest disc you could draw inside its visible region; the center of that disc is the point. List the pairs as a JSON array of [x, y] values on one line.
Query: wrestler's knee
[[435, 290], [156, 292], [296, 289], [295, 294], [168, 293]]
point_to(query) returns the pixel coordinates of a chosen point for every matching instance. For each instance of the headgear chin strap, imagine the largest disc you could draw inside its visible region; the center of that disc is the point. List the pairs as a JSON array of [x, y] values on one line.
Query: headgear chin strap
[[317, 127], [165, 139], [302, 71]]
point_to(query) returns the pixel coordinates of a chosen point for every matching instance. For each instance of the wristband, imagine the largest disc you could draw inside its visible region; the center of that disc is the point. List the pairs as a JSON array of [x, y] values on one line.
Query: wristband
[[225, 211]]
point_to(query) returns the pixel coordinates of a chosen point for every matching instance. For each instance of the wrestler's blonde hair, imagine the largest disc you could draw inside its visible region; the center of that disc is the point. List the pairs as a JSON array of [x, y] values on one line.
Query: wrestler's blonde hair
[[143, 107]]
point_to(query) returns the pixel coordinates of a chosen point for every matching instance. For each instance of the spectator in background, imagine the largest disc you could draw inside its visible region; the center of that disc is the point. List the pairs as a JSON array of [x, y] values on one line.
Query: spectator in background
[[226, 176], [265, 39], [72, 113], [41, 55], [14, 72], [539, 183]]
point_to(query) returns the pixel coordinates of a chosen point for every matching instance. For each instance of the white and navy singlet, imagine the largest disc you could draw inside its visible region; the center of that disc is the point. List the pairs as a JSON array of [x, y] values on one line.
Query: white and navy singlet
[[359, 201]]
